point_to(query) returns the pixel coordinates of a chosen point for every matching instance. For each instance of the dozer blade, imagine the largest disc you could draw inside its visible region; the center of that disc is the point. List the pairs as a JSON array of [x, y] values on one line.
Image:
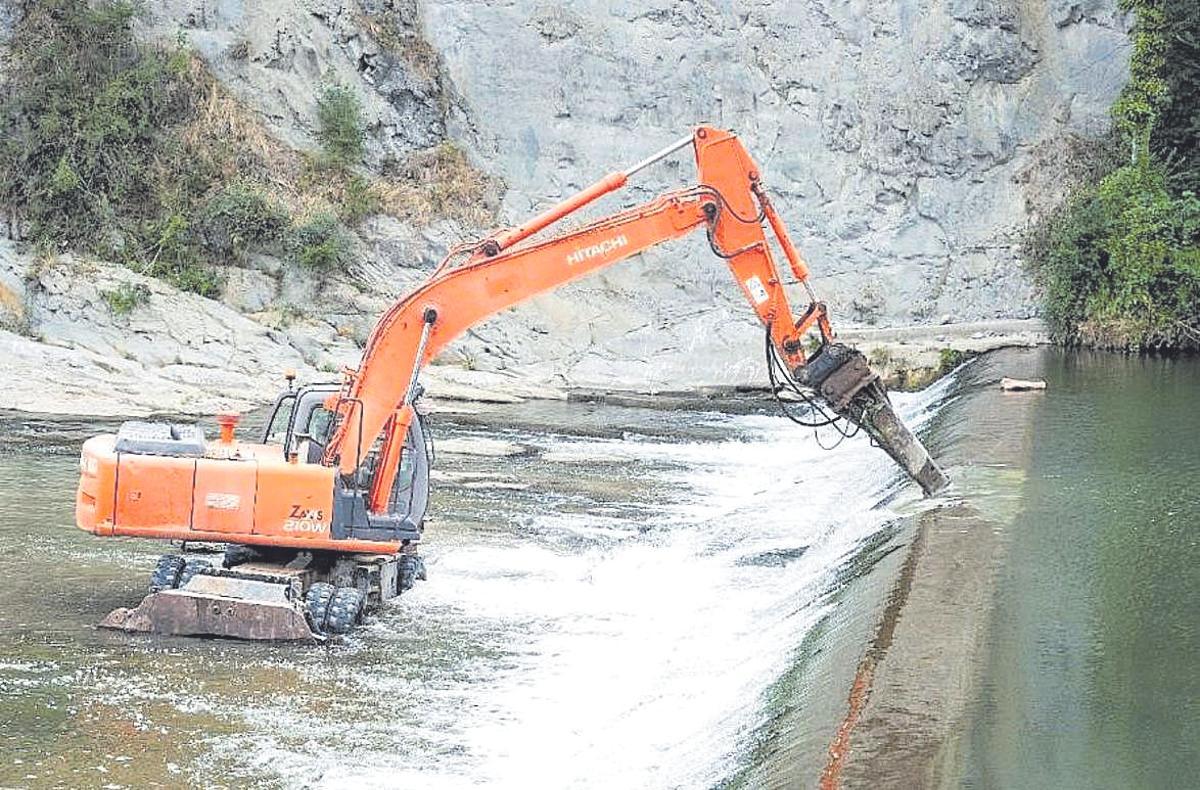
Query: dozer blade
[[222, 606], [842, 378]]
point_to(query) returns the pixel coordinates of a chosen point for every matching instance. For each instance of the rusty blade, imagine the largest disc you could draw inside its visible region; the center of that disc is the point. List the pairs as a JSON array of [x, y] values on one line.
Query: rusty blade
[[218, 606]]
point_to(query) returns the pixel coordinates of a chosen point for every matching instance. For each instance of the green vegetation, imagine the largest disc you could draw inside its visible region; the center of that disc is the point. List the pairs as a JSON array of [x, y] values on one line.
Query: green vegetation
[[340, 128], [239, 217], [950, 358], [1120, 263], [359, 200], [130, 151], [321, 244], [907, 375], [341, 131], [91, 152], [881, 357], [126, 298], [1175, 135]]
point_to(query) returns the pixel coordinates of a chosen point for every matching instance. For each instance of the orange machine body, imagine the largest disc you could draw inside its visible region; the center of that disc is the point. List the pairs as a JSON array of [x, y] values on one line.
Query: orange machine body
[[347, 499], [245, 493]]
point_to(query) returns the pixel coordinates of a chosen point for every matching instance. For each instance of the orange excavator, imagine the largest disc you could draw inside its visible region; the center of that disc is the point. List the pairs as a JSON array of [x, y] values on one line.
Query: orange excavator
[[322, 516]]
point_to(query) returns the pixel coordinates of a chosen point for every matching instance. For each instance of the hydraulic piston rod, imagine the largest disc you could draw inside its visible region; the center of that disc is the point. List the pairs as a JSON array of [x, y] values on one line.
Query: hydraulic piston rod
[[610, 183]]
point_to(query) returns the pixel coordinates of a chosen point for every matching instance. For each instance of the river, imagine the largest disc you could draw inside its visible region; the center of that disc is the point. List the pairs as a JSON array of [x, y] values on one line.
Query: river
[[641, 598]]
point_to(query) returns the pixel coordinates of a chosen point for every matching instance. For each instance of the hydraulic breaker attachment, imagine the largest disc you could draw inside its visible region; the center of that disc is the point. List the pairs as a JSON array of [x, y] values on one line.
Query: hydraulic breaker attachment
[[841, 376]]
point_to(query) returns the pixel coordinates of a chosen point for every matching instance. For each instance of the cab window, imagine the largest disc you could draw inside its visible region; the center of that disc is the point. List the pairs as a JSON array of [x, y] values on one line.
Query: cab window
[[318, 424], [277, 429]]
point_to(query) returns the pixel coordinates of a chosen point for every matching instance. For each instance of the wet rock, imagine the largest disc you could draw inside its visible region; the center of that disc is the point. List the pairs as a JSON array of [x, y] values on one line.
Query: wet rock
[[489, 448]]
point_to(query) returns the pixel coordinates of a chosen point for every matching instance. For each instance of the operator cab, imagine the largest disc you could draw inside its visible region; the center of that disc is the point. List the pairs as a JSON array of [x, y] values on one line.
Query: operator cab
[[302, 425]]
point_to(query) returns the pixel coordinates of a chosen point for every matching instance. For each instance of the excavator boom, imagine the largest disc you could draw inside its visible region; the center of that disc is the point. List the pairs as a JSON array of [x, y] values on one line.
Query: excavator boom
[[508, 267], [325, 512]]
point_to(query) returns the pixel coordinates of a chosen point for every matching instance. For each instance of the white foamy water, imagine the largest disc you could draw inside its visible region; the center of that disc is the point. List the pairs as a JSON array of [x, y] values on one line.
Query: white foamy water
[[633, 652]]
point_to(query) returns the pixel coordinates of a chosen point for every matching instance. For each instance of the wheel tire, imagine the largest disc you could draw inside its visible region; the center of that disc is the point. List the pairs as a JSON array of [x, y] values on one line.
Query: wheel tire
[[190, 569], [166, 573], [345, 610], [316, 605], [237, 554], [412, 570]]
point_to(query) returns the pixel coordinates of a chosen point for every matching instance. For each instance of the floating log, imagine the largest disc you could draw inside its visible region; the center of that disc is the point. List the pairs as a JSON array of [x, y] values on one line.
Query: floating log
[[1021, 385]]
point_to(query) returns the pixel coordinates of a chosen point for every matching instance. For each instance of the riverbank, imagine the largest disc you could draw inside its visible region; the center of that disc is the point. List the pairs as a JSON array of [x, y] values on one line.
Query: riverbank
[[190, 356]]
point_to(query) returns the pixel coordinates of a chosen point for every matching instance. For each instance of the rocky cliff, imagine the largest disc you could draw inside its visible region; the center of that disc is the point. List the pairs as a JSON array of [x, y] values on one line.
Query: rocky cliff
[[907, 143]]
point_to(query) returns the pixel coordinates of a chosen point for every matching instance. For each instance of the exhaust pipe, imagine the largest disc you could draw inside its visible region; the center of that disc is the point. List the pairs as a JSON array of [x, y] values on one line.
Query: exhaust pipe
[[841, 376]]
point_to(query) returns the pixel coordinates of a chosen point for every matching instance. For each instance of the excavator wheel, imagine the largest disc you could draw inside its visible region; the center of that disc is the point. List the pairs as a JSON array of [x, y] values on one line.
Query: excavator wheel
[[166, 573], [190, 569], [316, 604], [345, 610], [412, 569]]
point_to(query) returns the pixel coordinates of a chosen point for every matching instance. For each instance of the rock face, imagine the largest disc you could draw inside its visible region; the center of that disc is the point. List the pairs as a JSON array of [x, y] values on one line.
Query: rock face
[[278, 55], [907, 144], [173, 352], [67, 346], [895, 133]]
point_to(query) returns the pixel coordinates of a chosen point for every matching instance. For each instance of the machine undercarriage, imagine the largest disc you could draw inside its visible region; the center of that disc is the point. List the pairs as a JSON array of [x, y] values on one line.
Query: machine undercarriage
[[278, 595]]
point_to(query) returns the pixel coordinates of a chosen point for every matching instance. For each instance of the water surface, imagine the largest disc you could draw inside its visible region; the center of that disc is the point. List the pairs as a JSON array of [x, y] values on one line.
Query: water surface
[[1092, 675], [613, 607], [680, 598]]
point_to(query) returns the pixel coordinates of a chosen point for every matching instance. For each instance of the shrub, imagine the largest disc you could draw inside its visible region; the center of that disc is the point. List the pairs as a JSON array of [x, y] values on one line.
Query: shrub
[[1175, 137], [1123, 264], [126, 297], [194, 277], [1120, 263], [127, 149], [131, 151], [340, 128], [951, 358], [359, 200], [321, 244], [169, 252], [83, 105], [241, 217]]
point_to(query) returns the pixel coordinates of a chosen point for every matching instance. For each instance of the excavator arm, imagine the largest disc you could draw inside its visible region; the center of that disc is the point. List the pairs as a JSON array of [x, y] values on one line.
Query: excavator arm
[[321, 531], [509, 267]]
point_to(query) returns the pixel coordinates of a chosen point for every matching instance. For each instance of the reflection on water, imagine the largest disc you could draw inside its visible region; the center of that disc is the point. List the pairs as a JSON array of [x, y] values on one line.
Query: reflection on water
[[1047, 635], [1092, 678]]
